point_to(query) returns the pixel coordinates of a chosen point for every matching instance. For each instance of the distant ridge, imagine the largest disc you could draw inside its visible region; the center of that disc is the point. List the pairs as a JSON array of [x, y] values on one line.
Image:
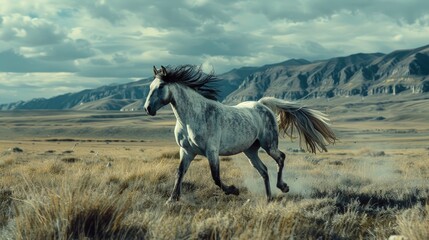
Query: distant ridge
[[111, 97], [358, 74]]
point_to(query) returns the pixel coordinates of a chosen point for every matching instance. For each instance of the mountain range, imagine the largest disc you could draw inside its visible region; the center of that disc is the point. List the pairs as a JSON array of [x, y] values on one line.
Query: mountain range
[[358, 74]]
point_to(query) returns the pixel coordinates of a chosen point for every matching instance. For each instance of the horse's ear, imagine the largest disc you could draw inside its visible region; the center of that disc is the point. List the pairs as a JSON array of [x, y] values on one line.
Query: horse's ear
[[163, 71], [154, 71]]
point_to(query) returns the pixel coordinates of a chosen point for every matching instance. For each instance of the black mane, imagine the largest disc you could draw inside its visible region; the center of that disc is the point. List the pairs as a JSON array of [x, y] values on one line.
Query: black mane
[[193, 77]]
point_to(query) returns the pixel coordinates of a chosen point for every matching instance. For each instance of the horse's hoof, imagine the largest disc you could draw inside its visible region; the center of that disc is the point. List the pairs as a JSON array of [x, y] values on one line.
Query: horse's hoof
[[284, 188], [232, 190]]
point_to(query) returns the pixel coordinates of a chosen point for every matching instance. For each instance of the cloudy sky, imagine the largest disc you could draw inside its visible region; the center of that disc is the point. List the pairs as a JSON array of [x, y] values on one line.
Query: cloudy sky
[[51, 47]]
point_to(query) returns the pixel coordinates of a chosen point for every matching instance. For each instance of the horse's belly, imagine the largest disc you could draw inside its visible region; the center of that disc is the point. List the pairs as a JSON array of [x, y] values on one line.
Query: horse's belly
[[233, 151], [235, 144], [239, 132]]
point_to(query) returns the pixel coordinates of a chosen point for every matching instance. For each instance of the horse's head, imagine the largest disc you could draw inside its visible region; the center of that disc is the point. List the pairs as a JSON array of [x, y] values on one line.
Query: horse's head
[[159, 94]]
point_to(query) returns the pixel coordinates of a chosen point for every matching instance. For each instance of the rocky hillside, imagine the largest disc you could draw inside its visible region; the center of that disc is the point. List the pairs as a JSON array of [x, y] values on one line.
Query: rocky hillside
[[112, 97], [357, 74]]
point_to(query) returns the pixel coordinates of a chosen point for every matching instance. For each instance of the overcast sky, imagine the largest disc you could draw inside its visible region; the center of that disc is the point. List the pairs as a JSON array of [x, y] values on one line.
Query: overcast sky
[[51, 47]]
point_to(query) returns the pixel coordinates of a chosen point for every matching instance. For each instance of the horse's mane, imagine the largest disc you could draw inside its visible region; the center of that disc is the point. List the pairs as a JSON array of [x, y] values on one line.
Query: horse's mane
[[192, 76]]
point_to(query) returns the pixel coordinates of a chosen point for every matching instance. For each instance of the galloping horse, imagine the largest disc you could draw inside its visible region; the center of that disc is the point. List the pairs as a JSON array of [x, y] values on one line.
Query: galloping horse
[[207, 127]]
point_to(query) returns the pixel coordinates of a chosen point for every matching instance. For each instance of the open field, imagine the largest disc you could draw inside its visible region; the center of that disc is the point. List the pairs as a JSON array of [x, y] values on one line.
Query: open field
[[107, 175]]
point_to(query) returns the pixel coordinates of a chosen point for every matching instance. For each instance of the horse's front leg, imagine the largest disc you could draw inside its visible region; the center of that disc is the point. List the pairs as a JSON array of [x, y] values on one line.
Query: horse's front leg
[[186, 158], [213, 157]]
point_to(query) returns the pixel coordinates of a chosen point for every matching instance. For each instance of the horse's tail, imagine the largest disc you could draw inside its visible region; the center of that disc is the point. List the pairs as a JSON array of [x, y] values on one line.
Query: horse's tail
[[311, 125]]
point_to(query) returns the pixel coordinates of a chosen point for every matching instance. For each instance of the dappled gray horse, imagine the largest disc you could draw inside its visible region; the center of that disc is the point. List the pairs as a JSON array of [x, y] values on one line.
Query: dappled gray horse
[[207, 127]]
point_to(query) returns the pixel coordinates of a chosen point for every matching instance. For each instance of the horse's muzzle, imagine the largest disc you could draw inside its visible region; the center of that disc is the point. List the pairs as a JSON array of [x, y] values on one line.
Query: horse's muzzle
[[150, 111]]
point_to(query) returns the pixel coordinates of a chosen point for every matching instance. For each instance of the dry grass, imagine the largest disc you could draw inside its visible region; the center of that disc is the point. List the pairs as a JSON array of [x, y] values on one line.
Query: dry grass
[[333, 196]]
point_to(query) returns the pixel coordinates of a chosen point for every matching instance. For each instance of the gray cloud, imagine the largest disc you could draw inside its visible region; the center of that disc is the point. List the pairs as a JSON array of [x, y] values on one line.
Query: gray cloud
[[186, 15], [10, 61], [410, 11], [68, 50], [103, 11], [215, 44], [29, 31], [309, 50], [107, 71], [107, 40]]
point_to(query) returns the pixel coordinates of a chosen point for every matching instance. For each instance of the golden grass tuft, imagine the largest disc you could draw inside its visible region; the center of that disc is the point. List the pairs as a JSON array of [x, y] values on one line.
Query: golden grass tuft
[[170, 155], [5, 206], [56, 168], [6, 161], [75, 213], [414, 223]]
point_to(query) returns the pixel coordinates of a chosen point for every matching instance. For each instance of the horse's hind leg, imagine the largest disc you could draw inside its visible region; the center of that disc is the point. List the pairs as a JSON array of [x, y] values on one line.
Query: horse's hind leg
[[213, 157], [252, 154], [279, 157]]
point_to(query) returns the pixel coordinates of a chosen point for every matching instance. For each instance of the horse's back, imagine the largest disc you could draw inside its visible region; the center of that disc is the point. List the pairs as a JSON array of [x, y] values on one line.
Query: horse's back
[[266, 119], [260, 109], [246, 104]]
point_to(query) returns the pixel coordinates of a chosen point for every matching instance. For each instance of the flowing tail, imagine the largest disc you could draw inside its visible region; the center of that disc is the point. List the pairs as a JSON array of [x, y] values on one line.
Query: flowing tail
[[311, 125]]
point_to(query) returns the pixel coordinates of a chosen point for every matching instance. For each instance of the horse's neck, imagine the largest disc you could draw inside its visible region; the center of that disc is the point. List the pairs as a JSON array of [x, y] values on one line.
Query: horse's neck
[[187, 104]]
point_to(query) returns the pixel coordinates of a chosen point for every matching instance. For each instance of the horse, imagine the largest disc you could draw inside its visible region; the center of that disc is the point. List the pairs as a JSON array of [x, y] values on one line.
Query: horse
[[207, 127]]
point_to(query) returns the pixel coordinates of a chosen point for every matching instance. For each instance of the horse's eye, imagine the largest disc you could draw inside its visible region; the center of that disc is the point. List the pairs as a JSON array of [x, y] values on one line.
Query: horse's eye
[[161, 87]]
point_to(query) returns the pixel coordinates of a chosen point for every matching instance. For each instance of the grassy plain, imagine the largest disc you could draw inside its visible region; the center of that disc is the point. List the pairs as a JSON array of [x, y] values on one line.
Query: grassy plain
[[107, 175]]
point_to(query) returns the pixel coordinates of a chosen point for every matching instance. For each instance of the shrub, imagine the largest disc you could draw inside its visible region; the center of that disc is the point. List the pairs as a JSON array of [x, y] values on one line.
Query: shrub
[[70, 159]]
